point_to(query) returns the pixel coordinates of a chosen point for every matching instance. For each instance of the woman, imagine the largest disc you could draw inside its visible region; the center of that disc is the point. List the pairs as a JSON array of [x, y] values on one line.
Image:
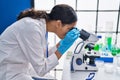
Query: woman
[[24, 42]]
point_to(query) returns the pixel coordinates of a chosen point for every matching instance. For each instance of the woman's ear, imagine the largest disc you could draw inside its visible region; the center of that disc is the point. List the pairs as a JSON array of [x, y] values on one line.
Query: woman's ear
[[58, 23]]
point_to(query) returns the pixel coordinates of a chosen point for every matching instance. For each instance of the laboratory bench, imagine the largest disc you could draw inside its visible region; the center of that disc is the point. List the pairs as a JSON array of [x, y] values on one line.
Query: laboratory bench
[[105, 72]]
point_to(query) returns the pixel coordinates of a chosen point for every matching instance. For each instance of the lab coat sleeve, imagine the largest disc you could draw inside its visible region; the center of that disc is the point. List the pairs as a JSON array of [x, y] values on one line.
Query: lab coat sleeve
[[52, 50], [30, 41]]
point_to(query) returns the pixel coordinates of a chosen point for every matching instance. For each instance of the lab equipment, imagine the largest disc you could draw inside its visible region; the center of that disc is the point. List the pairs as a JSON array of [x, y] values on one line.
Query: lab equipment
[[118, 59], [109, 68], [118, 71], [104, 51], [115, 50], [99, 63], [34, 78], [90, 76], [106, 59], [109, 42], [83, 60], [69, 39], [108, 36], [99, 44]]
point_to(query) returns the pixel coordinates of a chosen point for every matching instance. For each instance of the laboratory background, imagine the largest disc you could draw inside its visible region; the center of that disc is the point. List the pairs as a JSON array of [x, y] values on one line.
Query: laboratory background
[[100, 17]]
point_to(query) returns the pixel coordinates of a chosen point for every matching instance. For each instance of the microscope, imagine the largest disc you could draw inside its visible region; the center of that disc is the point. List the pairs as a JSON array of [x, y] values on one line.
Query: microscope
[[84, 58]]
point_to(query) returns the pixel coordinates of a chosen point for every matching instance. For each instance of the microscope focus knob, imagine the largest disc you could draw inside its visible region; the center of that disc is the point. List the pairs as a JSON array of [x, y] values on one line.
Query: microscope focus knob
[[78, 61]]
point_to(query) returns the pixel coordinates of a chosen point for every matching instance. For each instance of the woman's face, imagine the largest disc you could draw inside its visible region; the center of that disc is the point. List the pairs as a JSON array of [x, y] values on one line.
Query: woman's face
[[63, 29]]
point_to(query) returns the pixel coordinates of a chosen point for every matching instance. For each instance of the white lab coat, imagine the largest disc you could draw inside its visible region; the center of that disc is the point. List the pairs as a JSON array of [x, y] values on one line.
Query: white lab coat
[[24, 43]]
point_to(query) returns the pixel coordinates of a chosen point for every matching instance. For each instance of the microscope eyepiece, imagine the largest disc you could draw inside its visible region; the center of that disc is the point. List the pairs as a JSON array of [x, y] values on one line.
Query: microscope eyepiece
[[84, 35]]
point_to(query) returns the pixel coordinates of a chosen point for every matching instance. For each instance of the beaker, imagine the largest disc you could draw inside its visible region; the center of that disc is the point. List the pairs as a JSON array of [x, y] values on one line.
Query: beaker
[[114, 50], [118, 59]]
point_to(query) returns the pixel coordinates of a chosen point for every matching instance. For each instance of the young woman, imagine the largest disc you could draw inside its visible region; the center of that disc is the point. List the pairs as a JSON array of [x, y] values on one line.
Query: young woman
[[24, 42]]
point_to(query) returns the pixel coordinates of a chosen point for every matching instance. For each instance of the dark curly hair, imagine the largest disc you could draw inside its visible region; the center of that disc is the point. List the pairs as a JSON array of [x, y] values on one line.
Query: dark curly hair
[[35, 14], [62, 12]]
